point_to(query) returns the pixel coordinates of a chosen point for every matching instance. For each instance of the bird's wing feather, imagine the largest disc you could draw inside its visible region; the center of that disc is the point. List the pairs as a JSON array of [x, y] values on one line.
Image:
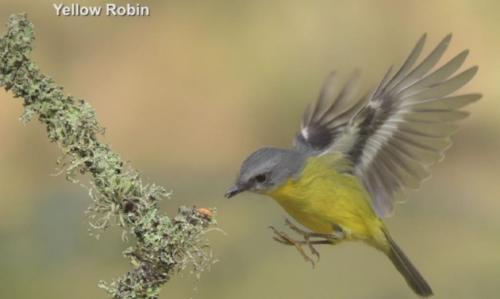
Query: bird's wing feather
[[401, 130], [322, 122]]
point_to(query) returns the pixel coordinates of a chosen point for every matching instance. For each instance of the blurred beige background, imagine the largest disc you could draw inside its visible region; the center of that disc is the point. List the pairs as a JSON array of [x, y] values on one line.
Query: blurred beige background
[[188, 92]]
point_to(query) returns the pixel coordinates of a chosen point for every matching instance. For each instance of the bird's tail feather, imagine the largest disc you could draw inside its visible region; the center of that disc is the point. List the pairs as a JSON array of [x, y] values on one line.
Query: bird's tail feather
[[406, 268]]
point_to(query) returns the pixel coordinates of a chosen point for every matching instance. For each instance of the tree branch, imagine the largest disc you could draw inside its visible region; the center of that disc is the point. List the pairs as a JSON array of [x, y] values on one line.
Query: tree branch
[[162, 246]]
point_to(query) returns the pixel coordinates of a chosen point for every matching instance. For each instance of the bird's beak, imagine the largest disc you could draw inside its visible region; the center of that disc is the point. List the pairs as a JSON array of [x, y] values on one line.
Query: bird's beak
[[233, 191]]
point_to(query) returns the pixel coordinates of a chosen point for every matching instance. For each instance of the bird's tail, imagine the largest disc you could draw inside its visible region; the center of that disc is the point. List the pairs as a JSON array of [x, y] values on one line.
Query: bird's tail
[[406, 268]]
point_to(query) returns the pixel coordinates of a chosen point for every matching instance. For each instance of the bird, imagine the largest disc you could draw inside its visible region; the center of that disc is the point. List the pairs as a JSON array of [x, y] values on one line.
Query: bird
[[354, 156]]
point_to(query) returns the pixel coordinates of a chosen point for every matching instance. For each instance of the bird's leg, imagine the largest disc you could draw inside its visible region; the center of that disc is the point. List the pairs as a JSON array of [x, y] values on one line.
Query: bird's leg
[[325, 239], [331, 238], [283, 238]]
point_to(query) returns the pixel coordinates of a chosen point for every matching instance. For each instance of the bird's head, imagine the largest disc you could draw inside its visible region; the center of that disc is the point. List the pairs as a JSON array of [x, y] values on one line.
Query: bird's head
[[266, 169]]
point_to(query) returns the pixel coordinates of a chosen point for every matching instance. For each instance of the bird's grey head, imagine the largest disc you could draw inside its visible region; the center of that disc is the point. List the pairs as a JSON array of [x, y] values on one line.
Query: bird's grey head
[[266, 169]]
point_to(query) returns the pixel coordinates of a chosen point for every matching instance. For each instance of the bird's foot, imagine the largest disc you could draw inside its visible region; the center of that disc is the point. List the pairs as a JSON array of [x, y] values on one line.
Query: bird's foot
[[283, 238], [334, 237]]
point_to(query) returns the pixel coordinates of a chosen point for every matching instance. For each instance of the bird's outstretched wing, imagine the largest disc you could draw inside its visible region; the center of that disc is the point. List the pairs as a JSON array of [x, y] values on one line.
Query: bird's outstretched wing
[[401, 129]]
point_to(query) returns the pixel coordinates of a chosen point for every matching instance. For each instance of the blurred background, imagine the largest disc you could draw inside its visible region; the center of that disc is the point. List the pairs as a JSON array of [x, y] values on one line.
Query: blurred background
[[188, 92]]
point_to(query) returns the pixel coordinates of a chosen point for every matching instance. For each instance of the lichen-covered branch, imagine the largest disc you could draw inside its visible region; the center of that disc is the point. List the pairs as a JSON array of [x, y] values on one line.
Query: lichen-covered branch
[[161, 246]]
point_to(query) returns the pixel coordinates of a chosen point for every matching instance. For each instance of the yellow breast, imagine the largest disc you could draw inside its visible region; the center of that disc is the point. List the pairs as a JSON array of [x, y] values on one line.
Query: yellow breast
[[324, 196]]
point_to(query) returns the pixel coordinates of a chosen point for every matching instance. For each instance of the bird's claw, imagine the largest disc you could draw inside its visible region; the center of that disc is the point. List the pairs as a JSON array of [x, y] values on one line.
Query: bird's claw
[[314, 252], [283, 238]]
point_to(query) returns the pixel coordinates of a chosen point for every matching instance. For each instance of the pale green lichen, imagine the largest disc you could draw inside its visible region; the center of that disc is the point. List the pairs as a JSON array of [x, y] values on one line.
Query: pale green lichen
[[162, 246]]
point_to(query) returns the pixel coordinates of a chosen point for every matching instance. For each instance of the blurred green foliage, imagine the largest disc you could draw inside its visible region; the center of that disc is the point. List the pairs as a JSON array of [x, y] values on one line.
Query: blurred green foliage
[[162, 246]]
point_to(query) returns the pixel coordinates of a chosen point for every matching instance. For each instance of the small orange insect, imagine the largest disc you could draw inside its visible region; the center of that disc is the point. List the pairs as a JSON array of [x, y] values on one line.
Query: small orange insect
[[206, 213]]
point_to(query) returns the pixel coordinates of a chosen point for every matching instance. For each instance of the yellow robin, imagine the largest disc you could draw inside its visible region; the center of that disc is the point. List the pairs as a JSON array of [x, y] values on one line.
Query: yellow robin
[[353, 154]]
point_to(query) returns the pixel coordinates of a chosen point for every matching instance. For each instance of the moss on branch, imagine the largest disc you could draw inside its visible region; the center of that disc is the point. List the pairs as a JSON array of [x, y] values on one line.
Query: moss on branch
[[162, 246]]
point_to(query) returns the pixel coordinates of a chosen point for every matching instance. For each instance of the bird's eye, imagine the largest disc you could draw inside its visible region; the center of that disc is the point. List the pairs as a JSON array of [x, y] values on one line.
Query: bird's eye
[[261, 178]]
